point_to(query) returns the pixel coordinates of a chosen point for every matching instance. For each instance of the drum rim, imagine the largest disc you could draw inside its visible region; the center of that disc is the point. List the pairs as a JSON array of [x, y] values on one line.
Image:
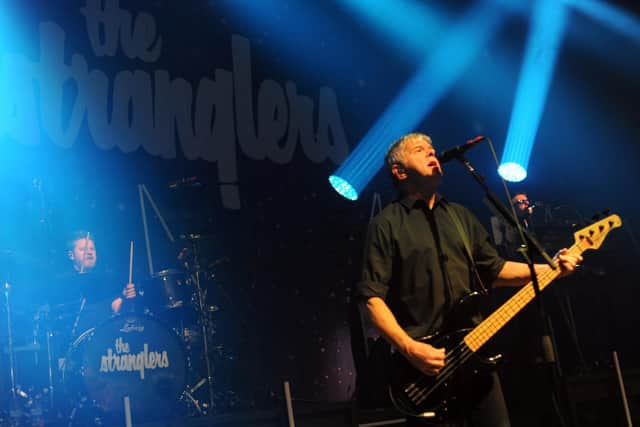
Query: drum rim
[[167, 272]]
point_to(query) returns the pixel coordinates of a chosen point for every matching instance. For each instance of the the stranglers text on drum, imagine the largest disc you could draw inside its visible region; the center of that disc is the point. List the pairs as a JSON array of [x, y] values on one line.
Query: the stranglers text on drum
[[122, 360]]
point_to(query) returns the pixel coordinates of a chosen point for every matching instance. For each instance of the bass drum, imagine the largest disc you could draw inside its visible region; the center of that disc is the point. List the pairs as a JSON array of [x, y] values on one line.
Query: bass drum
[[129, 355]]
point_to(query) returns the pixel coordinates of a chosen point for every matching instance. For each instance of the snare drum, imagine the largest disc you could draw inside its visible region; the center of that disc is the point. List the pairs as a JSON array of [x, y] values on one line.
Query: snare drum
[[129, 355]]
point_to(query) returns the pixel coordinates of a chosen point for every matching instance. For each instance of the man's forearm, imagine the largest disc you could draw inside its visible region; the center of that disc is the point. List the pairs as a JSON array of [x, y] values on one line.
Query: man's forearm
[[517, 273], [384, 320]]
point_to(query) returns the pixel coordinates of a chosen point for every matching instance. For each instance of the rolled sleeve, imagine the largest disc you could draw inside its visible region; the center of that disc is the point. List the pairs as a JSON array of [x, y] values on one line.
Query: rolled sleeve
[[377, 262], [487, 259]]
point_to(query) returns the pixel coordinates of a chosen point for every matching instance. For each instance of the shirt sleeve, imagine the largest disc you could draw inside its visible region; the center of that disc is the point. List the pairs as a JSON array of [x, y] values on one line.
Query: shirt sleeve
[[377, 262]]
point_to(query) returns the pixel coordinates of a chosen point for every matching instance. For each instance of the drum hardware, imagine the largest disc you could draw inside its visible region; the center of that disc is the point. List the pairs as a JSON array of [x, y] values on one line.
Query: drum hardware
[[30, 400], [24, 403], [83, 302], [42, 315], [166, 290], [190, 258], [205, 336], [12, 367], [49, 334], [27, 348], [40, 345], [187, 396]]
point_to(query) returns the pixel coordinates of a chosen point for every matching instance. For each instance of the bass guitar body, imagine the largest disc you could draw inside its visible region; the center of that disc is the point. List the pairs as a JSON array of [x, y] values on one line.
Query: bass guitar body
[[459, 386]]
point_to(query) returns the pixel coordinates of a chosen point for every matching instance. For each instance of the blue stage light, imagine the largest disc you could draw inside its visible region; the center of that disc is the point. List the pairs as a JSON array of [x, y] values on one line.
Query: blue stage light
[[443, 66], [420, 23], [609, 15], [304, 36], [547, 30], [343, 187], [512, 172]]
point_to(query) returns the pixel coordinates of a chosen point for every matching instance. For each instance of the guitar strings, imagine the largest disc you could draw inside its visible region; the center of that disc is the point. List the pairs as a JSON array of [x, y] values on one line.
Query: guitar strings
[[455, 357], [450, 367]]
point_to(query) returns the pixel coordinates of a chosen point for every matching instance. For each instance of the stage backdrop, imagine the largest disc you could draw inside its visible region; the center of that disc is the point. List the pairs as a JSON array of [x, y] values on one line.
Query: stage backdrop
[[217, 125]]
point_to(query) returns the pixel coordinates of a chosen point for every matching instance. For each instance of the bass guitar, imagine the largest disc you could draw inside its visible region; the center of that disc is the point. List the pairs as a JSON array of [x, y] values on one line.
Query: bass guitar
[[466, 377]]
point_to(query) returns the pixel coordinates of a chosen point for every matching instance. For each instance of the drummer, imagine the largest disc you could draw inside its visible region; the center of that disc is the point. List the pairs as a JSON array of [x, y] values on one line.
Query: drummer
[[86, 293]]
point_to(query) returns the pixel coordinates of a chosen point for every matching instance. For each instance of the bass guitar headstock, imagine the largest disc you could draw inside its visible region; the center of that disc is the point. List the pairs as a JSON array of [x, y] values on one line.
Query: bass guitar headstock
[[592, 236]]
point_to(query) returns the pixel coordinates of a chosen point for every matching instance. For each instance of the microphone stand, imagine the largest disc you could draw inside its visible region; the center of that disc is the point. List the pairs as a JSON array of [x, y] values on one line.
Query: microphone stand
[[530, 246]]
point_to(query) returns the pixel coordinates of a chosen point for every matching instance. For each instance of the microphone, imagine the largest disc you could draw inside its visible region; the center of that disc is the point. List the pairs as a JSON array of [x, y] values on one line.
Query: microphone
[[537, 204], [455, 152]]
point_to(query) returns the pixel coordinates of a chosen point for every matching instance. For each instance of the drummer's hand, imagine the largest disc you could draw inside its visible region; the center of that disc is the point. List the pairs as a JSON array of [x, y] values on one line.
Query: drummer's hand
[[116, 304], [129, 291]]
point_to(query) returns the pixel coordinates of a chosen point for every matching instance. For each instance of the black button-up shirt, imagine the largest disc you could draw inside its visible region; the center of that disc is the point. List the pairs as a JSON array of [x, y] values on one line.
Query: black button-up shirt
[[414, 259]]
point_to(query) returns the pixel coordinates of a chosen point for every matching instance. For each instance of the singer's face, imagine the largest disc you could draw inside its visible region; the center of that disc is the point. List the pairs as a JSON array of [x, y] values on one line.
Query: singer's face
[[420, 158], [83, 255], [521, 201]]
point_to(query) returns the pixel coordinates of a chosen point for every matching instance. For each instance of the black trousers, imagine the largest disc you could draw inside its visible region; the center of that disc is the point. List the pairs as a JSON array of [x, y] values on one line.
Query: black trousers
[[491, 411]]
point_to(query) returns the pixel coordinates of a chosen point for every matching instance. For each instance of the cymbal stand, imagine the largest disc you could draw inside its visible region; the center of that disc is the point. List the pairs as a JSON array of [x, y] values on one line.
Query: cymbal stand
[[203, 323], [12, 374], [49, 334], [142, 193], [42, 318], [187, 395]]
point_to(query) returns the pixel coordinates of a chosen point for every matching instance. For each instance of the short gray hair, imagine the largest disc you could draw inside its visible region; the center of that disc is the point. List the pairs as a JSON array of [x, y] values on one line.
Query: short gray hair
[[395, 153]]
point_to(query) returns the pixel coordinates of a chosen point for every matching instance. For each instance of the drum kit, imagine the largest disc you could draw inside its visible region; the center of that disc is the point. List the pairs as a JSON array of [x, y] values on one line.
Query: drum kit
[[152, 362]]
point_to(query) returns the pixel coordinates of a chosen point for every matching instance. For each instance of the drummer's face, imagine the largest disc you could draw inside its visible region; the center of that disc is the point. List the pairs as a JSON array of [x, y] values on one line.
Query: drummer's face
[[83, 255]]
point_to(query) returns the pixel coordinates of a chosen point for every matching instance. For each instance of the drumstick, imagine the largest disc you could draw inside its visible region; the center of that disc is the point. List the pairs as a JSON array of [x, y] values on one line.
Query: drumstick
[[130, 262]]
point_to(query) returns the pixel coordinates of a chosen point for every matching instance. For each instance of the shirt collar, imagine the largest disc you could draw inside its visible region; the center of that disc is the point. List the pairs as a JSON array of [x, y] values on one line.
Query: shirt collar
[[410, 201]]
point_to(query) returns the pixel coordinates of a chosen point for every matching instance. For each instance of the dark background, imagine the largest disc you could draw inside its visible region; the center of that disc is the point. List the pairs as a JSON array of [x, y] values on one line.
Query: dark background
[[288, 255]]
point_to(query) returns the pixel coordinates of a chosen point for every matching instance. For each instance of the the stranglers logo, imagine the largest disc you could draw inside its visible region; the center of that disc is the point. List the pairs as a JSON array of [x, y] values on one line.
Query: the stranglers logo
[[122, 360]]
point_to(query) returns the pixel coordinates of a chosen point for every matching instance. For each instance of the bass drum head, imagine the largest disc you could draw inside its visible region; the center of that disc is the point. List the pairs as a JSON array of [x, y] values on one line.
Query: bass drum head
[[129, 355]]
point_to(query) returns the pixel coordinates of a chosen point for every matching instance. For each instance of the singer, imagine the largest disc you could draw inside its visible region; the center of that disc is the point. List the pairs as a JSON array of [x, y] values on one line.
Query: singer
[[506, 237], [415, 267]]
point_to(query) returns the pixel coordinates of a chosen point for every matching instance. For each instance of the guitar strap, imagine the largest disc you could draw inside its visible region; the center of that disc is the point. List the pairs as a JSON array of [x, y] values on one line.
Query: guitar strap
[[467, 246]]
